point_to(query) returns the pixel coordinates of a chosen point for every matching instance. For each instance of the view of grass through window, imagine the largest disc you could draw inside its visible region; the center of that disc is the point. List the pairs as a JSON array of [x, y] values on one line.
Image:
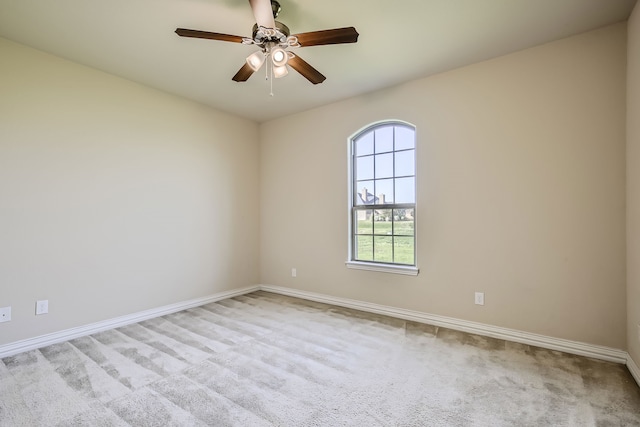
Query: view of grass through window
[[386, 236]]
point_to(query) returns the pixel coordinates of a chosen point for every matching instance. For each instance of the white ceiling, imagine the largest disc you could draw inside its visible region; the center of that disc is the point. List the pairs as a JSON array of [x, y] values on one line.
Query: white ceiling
[[399, 41]]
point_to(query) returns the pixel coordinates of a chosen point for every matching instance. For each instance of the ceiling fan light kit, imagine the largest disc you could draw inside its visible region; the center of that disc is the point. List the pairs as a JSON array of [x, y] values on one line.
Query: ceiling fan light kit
[[279, 57], [279, 72], [274, 38], [255, 60]]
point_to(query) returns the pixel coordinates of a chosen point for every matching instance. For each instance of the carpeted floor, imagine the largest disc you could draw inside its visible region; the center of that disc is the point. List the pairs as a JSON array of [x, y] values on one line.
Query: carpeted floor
[[264, 359]]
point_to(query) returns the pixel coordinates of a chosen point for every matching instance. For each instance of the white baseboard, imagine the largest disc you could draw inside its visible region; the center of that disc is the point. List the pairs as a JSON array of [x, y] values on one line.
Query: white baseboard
[[80, 331], [573, 347], [633, 368], [567, 346]]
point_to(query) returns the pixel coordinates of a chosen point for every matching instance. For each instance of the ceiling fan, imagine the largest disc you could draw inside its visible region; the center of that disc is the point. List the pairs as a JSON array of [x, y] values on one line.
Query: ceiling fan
[[274, 38]]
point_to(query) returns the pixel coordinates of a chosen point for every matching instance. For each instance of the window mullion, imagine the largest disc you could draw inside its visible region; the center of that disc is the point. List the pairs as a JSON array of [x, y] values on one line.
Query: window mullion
[[393, 220]]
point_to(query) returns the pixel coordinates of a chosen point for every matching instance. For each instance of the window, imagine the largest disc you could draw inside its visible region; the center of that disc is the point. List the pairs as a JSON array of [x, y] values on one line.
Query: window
[[383, 198]]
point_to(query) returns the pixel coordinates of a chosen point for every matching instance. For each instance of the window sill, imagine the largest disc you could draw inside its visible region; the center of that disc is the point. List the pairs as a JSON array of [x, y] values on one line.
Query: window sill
[[383, 268]]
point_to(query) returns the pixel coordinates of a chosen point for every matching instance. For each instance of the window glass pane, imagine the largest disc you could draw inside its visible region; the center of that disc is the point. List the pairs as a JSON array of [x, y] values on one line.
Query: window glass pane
[[402, 223], [403, 250], [384, 191], [384, 139], [405, 138], [364, 221], [405, 190], [382, 224], [364, 193], [384, 165], [364, 248], [405, 163], [364, 144], [383, 248], [364, 168], [409, 214]]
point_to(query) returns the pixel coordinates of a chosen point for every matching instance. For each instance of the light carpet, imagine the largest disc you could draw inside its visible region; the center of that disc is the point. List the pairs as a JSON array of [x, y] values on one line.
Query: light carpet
[[263, 359]]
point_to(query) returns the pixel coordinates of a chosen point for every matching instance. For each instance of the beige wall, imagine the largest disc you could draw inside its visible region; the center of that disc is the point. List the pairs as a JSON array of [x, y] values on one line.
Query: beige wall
[[114, 197], [521, 192], [633, 186]]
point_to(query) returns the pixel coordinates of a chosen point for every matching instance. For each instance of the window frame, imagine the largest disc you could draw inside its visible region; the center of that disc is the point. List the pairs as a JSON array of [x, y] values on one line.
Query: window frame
[[378, 266]]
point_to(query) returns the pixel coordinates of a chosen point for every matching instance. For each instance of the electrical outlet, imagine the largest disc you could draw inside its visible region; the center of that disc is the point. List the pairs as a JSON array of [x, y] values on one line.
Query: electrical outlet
[[42, 306], [294, 272], [479, 298], [5, 314]]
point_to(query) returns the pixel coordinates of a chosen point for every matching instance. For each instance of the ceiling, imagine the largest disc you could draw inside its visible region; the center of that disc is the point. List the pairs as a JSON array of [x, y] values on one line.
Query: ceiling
[[399, 41]]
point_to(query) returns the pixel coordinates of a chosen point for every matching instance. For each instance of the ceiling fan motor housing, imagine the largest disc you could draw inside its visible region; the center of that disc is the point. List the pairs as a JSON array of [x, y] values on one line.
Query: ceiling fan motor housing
[[262, 35]]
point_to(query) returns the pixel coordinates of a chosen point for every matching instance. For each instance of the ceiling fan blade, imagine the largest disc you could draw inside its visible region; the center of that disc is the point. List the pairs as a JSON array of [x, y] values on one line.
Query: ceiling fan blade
[[303, 67], [263, 13], [243, 73], [335, 36], [183, 32]]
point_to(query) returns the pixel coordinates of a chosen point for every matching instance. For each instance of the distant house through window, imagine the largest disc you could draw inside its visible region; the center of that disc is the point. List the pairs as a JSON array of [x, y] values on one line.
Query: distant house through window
[[383, 198]]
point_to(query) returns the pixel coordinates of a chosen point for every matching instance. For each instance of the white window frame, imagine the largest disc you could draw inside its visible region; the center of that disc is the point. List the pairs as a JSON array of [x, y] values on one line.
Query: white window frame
[[411, 270]]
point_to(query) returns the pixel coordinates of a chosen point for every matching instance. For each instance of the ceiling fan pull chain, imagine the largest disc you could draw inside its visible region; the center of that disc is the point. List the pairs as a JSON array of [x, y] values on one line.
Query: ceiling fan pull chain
[[271, 80]]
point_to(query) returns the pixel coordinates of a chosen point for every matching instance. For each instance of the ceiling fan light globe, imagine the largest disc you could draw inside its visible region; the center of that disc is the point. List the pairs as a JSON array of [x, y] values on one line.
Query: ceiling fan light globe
[[280, 71], [255, 60], [279, 57]]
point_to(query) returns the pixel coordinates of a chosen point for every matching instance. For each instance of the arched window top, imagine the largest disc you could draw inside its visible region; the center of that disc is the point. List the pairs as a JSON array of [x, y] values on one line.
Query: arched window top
[[386, 127]]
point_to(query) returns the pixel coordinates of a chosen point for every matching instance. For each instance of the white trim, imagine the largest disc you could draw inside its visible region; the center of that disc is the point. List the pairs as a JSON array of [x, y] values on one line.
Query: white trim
[[573, 347], [633, 368], [363, 265], [80, 331], [383, 268], [567, 346]]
